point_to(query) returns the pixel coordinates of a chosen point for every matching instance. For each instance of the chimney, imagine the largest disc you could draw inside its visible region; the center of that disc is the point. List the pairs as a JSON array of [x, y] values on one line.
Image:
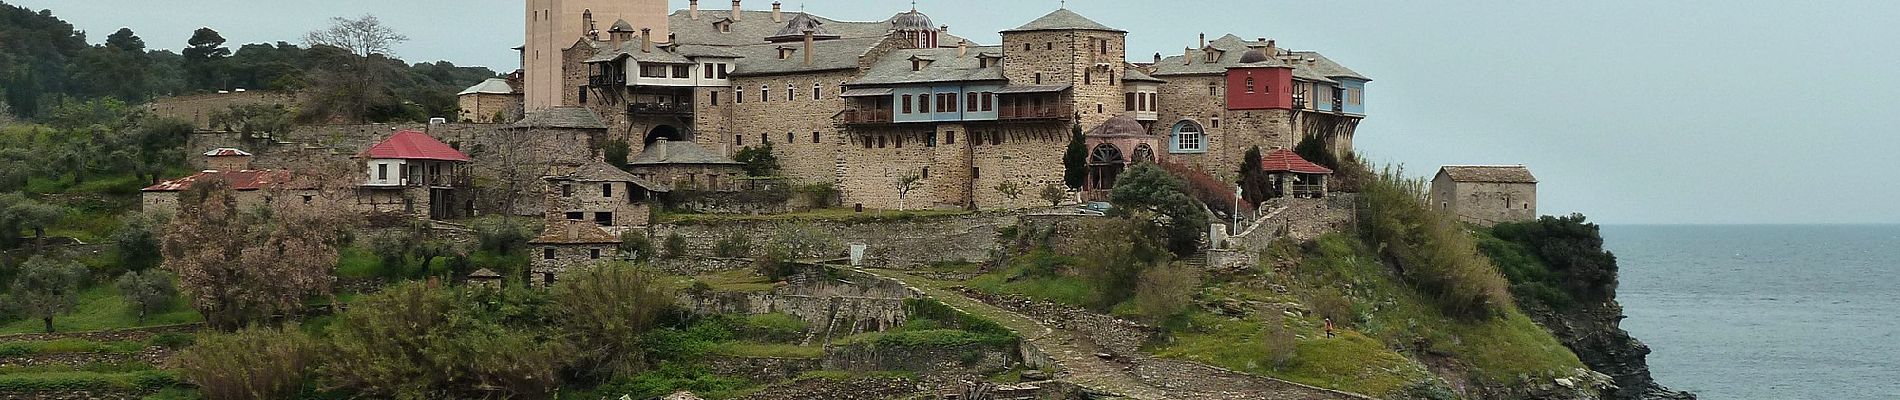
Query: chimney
[[692, 9], [735, 10], [1187, 56], [646, 40], [615, 38], [1272, 49], [808, 40], [776, 16], [1157, 57], [1203, 40], [587, 25], [963, 48]]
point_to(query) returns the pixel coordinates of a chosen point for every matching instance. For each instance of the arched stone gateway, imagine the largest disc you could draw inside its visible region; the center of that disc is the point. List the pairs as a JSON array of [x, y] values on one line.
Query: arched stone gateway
[[664, 132], [1105, 164]]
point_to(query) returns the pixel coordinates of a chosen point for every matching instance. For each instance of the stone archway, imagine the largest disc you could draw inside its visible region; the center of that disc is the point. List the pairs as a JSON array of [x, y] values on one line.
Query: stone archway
[[664, 132], [1144, 154], [1105, 164]]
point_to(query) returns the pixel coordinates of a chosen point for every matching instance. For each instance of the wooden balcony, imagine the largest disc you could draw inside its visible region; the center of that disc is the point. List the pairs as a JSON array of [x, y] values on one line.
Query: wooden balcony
[[867, 117], [1035, 113], [607, 80], [660, 108]]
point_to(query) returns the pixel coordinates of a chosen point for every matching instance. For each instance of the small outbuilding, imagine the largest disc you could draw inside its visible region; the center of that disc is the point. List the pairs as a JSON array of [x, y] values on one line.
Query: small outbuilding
[[1290, 175], [567, 244], [1486, 194], [412, 171], [683, 165], [602, 193]]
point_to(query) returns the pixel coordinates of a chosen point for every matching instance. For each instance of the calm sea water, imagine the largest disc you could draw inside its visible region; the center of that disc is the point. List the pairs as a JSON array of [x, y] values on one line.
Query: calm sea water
[[1765, 312]]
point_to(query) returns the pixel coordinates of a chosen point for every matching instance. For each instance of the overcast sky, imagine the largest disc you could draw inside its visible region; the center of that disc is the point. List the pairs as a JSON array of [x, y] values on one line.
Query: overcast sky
[[1629, 111]]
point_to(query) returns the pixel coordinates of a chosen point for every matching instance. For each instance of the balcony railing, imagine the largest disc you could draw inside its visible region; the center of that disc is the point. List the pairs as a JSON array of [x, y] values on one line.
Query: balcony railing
[[862, 117], [607, 80], [1034, 113], [659, 108]]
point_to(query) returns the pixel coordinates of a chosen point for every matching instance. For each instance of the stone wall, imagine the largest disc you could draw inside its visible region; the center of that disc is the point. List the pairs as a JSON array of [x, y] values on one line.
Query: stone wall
[[901, 243], [758, 120], [565, 257], [1486, 203], [589, 199], [834, 303], [483, 107], [198, 108], [762, 369], [868, 357], [1300, 219]]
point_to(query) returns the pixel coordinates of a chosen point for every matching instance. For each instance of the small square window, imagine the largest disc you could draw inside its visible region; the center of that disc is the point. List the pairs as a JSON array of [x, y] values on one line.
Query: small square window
[[593, 254], [547, 253]]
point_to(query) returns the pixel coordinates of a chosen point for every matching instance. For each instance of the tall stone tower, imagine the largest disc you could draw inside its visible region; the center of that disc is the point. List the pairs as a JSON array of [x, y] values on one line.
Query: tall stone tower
[[555, 25], [1065, 48]]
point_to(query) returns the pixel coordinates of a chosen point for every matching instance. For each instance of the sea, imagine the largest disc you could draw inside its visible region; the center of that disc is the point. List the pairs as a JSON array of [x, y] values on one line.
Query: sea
[[1765, 311]]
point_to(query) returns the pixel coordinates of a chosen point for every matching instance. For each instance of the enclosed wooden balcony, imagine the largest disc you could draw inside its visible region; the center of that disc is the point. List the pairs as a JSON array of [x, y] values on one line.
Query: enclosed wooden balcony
[[1035, 113], [866, 116]]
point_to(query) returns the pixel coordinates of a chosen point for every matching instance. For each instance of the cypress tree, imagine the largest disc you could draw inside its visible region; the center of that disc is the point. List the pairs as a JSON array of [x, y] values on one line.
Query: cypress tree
[[1075, 168]]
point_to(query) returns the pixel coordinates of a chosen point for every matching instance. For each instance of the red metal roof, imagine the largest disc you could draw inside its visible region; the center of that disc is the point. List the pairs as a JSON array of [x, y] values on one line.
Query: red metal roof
[[1283, 160], [413, 145], [239, 180]]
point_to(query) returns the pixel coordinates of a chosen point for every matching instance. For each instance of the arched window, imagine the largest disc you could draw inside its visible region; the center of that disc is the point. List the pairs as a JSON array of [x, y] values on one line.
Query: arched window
[[1188, 137], [1250, 85], [817, 91], [765, 93], [1143, 153], [1106, 154]]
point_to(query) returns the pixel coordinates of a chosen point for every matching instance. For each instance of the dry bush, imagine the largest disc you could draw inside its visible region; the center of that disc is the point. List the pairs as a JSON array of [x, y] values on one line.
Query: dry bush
[[1164, 291], [1429, 248]]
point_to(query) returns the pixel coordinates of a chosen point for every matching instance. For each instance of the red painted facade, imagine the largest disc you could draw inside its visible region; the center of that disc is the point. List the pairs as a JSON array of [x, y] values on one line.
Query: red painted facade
[[1272, 88]]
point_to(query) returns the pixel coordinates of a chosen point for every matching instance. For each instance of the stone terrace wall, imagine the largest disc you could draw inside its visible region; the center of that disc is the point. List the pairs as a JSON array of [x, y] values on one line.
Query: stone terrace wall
[[867, 357], [893, 244], [1299, 219]]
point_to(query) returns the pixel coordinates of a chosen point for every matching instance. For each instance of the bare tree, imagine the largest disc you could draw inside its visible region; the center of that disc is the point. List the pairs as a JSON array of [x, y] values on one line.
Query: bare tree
[[364, 36], [904, 186], [239, 266]]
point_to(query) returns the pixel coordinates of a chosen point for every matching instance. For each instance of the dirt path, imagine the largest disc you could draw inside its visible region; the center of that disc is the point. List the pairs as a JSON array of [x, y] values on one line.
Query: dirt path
[[1134, 376]]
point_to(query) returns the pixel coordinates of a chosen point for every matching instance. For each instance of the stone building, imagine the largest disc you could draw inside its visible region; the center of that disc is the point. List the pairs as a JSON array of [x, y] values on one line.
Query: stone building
[[1486, 194], [568, 244], [494, 101], [600, 193], [1115, 146], [252, 188], [413, 173], [865, 105], [685, 166]]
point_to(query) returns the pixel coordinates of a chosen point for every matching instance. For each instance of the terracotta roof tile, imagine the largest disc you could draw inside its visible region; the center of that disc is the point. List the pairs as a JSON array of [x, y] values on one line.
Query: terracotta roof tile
[[239, 180], [1283, 160], [413, 145]]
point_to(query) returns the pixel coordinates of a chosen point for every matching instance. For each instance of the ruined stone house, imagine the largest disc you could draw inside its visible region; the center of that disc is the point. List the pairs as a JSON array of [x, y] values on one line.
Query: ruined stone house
[[568, 244], [600, 193], [1486, 194]]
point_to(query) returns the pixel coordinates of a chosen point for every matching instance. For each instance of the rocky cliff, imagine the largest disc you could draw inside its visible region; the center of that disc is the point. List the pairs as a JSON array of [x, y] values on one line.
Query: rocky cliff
[[1594, 333]]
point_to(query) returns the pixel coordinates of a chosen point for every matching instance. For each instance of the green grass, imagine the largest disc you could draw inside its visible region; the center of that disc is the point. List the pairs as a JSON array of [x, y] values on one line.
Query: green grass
[[1022, 278], [58, 346], [846, 215], [748, 349], [1349, 362], [358, 262], [132, 366], [66, 381], [101, 308]]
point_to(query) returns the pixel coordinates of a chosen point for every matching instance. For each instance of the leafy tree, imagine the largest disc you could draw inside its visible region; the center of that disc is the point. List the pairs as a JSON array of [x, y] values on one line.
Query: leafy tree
[[255, 363], [157, 145], [36, 50], [1572, 248], [1054, 194], [30, 214], [1010, 189], [637, 244], [204, 60], [675, 245], [1075, 160], [759, 161], [364, 36], [1149, 187], [242, 266], [136, 244], [147, 291], [905, 185], [616, 151], [602, 312], [46, 288]]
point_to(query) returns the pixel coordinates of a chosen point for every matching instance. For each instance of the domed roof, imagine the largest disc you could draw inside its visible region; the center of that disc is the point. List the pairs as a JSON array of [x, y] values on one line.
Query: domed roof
[[912, 21], [1120, 125], [1254, 56]]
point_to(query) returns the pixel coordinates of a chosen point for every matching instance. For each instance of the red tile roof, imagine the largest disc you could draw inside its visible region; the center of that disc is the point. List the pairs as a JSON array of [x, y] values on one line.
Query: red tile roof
[[239, 180], [1283, 160], [413, 145]]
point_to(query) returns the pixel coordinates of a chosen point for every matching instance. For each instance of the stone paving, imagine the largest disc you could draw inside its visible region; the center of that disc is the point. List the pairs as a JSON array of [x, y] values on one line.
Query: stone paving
[[1080, 361]]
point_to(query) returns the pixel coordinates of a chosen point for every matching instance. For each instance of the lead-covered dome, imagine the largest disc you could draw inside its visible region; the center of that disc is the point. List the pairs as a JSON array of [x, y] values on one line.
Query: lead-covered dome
[[912, 21], [1254, 56]]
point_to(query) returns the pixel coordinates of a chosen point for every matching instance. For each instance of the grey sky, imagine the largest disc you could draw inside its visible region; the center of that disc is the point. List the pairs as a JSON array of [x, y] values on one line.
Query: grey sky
[[1630, 111]]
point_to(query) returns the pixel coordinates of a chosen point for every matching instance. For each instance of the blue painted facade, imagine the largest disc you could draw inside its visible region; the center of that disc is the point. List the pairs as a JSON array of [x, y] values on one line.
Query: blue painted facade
[[1187, 137], [1354, 91], [924, 107]]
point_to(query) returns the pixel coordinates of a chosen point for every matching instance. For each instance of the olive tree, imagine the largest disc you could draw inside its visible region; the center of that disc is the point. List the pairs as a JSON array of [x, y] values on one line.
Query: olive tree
[[46, 288]]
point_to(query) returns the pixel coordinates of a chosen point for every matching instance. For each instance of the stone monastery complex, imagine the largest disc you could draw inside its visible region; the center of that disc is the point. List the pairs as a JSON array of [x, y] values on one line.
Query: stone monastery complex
[[864, 104]]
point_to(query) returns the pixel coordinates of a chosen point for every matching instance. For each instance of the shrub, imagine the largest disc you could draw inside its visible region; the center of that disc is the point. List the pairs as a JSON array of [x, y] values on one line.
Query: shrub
[[412, 341], [1217, 195], [1164, 291], [1054, 194], [638, 244], [675, 246], [823, 194], [615, 152], [603, 310], [1279, 341], [1572, 249], [1428, 248], [736, 245], [254, 363]]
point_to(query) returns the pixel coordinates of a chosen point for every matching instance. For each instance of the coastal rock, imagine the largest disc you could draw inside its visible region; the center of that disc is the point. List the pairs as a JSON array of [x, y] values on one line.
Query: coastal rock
[[1594, 333]]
